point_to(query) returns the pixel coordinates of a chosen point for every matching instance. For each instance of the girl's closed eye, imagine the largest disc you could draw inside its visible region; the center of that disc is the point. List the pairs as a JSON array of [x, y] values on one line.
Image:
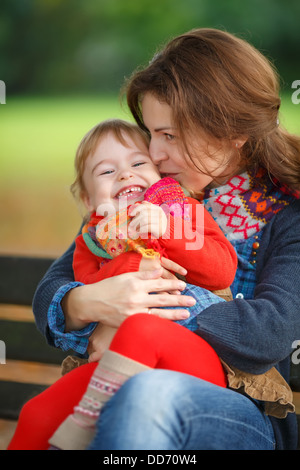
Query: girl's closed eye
[[105, 172], [139, 164]]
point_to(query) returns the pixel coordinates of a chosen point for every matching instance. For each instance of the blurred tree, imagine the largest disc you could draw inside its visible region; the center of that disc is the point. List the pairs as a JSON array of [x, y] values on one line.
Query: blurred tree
[[58, 46]]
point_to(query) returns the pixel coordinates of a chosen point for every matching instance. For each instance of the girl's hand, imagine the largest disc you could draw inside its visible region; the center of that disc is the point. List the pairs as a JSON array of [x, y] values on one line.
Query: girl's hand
[[147, 218], [170, 268], [112, 300], [99, 341]]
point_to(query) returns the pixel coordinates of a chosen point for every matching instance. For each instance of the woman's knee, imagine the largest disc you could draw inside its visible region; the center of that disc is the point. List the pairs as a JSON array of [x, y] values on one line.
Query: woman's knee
[[167, 410], [151, 391], [144, 412]]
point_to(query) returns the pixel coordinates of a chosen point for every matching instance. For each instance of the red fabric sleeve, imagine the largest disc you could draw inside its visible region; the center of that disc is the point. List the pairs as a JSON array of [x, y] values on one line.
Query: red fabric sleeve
[[200, 246], [89, 268]]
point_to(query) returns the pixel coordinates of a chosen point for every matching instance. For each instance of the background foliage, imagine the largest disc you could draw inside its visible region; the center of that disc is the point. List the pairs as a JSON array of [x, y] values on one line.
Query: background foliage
[[64, 61], [51, 46]]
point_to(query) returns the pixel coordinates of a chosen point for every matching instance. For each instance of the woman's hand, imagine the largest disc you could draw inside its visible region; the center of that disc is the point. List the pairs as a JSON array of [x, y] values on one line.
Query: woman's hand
[[112, 300], [169, 268]]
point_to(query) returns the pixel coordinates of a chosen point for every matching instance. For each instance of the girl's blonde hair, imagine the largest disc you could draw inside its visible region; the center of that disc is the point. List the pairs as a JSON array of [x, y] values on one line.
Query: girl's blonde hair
[[222, 85], [120, 129]]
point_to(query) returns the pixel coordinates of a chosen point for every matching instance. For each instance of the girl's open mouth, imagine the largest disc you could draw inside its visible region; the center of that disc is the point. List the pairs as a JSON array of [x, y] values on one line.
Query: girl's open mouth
[[130, 192]]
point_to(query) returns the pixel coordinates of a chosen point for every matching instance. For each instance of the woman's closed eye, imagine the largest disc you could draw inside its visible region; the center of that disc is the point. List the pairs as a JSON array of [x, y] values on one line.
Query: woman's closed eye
[[169, 137]]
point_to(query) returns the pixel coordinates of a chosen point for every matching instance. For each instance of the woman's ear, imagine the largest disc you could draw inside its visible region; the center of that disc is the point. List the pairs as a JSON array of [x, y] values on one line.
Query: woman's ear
[[239, 142]]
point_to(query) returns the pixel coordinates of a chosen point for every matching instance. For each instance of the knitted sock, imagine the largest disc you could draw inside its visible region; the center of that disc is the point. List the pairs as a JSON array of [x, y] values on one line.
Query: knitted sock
[[78, 430]]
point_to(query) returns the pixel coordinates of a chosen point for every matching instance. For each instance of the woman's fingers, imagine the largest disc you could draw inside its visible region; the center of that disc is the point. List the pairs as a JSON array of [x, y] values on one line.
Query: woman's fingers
[[167, 275], [137, 292], [170, 314], [148, 293], [164, 285], [170, 265], [170, 300]]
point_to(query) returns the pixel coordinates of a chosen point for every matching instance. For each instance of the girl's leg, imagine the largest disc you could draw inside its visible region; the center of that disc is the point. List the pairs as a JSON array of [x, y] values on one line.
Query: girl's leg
[[167, 410], [41, 415], [163, 344], [142, 342]]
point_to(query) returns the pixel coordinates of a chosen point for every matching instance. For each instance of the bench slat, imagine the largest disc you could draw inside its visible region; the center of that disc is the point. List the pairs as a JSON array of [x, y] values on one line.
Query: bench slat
[[14, 395], [23, 341], [295, 377], [30, 372], [19, 276]]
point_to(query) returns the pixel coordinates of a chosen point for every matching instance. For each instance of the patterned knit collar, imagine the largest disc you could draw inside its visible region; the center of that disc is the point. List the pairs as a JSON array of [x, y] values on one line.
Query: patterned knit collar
[[246, 203]]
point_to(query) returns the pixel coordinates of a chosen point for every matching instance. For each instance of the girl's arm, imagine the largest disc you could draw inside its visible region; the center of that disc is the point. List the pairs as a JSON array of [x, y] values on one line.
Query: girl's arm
[[200, 246], [89, 268], [197, 243]]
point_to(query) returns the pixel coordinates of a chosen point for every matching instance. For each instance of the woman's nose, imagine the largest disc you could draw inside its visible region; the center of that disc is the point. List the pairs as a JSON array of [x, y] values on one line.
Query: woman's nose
[[157, 153]]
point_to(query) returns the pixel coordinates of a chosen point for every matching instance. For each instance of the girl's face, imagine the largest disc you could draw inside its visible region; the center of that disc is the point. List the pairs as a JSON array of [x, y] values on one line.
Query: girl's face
[[167, 152], [117, 175]]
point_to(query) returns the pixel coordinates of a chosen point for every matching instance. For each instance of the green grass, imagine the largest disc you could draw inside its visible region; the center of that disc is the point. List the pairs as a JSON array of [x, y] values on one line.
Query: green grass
[[39, 135], [290, 115]]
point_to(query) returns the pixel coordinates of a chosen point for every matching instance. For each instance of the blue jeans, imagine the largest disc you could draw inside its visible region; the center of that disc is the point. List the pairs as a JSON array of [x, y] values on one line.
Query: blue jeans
[[166, 410]]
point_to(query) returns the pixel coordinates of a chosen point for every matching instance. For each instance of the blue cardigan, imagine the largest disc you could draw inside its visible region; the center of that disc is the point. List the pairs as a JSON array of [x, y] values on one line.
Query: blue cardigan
[[257, 334]]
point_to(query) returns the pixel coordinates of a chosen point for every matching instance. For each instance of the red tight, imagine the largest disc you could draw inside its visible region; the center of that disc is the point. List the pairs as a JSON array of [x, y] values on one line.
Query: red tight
[[155, 342]]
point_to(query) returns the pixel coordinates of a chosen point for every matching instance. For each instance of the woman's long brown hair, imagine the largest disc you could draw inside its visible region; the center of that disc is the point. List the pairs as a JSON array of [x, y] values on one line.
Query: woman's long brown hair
[[222, 85]]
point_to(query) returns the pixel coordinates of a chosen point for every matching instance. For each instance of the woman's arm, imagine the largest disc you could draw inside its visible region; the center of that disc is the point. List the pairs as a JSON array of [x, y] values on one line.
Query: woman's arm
[[109, 301], [254, 335], [58, 275], [112, 300]]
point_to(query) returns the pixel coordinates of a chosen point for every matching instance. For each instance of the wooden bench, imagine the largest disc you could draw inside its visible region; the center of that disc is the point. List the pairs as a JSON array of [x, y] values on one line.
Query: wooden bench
[[31, 364]]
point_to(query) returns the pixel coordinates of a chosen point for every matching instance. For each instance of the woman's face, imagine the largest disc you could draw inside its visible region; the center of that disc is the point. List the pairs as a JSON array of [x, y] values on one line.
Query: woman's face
[[167, 152]]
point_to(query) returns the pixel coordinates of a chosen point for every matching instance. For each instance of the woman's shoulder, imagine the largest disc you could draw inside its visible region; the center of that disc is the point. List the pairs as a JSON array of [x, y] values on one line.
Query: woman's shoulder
[[285, 224], [280, 240], [291, 210]]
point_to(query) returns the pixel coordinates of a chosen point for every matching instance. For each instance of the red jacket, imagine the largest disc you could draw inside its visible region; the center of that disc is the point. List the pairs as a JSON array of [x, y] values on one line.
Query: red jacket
[[212, 265]]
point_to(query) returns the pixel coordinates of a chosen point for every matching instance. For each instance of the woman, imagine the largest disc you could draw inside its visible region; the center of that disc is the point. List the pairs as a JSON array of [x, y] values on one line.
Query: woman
[[210, 104]]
